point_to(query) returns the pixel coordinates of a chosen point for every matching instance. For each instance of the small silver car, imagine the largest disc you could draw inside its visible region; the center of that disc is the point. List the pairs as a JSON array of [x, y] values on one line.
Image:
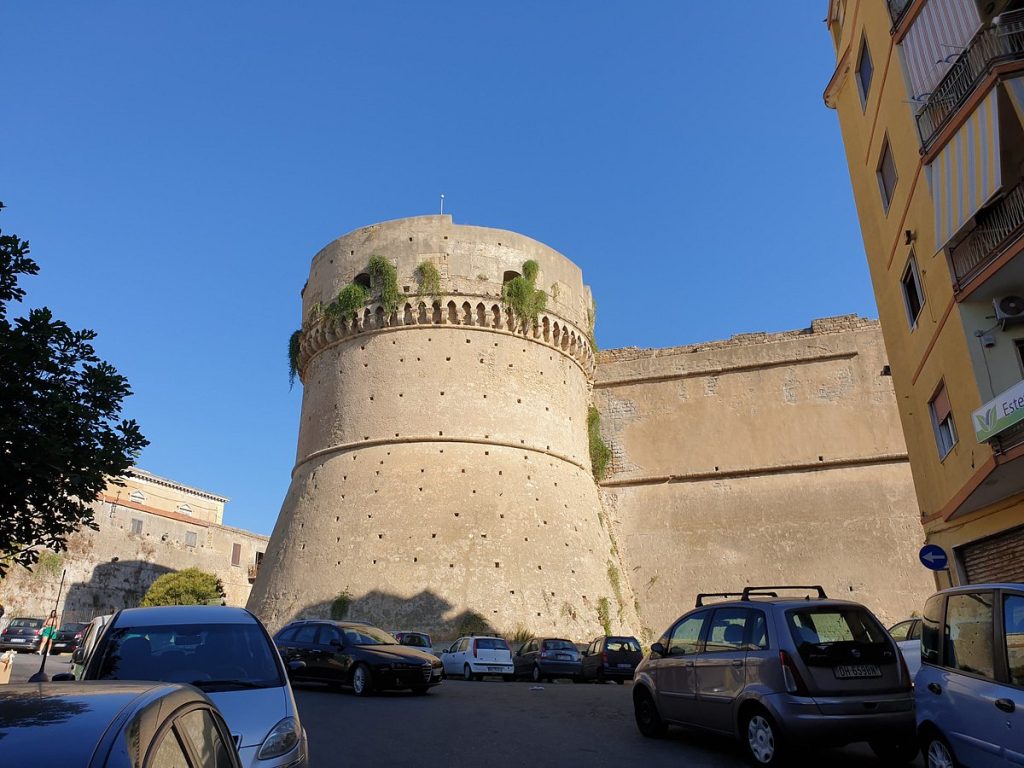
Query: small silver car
[[224, 652], [777, 672]]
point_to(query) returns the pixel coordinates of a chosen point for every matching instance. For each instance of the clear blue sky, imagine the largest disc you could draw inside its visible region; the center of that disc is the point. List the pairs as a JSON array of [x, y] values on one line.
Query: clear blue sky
[[176, 166]]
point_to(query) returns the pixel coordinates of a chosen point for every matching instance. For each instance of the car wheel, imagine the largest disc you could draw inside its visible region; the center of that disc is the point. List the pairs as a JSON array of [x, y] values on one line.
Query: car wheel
[[763, 739], [599, 677], [362, 680], [467, 673], [938, 753], [536, 675], [578, 679], [647, 718], [895, 752]]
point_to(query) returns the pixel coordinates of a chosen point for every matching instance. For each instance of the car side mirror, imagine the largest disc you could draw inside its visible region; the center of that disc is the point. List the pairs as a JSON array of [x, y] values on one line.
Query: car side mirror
[[63, 677], [296, 664], [658, 649], [76, 656]]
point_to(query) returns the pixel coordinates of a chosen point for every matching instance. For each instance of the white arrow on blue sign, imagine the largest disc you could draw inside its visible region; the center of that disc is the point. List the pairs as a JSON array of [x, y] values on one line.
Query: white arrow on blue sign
[[934, 557]]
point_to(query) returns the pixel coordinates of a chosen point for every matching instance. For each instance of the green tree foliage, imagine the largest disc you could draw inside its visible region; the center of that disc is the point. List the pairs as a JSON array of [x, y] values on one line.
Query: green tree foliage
[[523, 295], [61, 435], [293, 356], [188, 587], [341, 605], [350, 300], [429, 279], [384, 277], [600, 454]]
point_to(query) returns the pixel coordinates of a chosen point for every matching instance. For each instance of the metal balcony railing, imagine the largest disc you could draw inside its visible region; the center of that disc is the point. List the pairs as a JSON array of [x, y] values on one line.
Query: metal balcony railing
[[1001, 41], [897, 9], [1010, 439], [998, 226]]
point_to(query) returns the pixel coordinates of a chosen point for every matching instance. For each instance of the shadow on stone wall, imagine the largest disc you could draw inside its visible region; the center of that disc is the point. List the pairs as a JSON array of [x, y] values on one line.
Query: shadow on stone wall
[[112, 586], [424, 612]]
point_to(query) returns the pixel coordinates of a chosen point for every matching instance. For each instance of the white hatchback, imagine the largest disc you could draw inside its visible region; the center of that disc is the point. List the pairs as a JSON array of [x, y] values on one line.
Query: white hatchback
[[474, 656]]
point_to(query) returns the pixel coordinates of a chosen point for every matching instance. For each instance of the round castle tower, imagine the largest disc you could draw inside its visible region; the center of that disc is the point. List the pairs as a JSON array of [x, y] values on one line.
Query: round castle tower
[[442, 473]]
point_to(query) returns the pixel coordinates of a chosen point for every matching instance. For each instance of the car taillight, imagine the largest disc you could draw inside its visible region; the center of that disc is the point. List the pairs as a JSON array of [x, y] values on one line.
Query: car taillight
[[37, 631], [78, 636], [474, 648], [791, 675], [604, 657], [546, 654]]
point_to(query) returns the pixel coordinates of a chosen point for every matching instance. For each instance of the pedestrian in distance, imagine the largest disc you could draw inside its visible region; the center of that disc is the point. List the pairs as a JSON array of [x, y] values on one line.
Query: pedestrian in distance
[[48, 632]]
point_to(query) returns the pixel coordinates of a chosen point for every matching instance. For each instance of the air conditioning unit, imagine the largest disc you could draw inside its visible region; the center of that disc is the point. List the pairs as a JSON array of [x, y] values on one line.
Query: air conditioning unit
[[1009, 309]]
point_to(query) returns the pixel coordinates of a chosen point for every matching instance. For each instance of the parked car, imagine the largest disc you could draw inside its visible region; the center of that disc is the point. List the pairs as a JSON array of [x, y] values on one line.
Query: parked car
[[415, 639], [22, 634], [970, 689], [224, 652], [546, 659], [611, 658], [90, 637], [68, 637], [356, 654], [777, 672], [474, 656], [113, 725], [907, 635]]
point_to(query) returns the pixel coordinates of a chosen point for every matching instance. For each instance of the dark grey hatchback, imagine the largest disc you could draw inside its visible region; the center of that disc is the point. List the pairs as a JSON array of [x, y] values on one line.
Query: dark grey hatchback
[[112, 725]]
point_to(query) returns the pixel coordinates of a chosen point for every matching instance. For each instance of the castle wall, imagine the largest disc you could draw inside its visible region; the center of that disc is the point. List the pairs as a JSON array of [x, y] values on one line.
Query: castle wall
[[764, 459], [442, 469]]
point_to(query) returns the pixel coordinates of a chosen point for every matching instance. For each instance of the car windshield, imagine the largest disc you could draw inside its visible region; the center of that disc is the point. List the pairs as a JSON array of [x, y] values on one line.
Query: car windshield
[[32, 623], [828, 625], [558, 645], [613, 644], [419, 641], [209, 656], [367, 636], [491, 644]]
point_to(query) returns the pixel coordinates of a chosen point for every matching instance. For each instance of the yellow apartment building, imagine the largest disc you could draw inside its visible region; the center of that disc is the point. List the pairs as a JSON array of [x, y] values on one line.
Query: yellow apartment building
[[930, 98]]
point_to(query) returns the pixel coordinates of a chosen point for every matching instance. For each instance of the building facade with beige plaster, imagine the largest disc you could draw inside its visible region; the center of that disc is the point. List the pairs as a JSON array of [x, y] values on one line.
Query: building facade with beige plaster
[[443, 473], [146, 527]]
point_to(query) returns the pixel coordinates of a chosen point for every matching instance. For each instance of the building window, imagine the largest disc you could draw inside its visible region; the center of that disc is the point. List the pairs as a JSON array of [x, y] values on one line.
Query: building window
[[236, 554], [864, 72], [136, 526], [886, 174], [191, 538], [185, 509], [942, 421], [913, 296]]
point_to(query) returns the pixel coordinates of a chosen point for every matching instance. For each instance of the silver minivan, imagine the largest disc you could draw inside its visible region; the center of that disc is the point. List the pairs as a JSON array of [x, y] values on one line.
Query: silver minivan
[[224, 652], [779, 671]]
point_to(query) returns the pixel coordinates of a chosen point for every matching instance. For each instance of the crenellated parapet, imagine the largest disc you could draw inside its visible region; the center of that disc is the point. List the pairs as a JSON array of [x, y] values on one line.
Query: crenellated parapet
[[479, 312]]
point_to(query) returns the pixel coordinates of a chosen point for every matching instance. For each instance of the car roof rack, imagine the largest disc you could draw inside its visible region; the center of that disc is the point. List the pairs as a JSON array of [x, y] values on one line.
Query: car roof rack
[[748, 592], [704, 595]]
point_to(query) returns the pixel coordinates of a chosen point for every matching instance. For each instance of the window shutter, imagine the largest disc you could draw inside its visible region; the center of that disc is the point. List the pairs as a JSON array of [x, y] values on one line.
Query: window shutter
[[940, 405]]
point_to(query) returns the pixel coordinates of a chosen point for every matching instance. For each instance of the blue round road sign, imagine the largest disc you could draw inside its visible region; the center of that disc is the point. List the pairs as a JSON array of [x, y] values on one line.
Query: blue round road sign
[[934, 557]]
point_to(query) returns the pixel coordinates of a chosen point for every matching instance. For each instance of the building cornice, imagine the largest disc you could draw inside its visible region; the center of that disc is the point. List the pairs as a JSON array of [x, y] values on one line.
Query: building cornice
[[148, 477]]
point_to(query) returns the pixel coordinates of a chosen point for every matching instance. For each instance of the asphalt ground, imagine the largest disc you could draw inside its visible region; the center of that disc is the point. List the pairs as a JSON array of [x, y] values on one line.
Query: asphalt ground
[[498, 725]]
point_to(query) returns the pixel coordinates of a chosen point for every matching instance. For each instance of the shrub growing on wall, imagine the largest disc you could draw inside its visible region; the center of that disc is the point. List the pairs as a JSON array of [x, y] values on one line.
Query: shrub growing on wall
[[188, 587], [340, 606], [385, 279], [429, 279], [293, 356], [522, 294], [350, 300], [600, 454]]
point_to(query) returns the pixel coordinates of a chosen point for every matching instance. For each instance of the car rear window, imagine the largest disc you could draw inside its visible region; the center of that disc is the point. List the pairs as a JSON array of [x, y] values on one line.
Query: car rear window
[[821, 633], [557, 645], [630, 644], [491, 644], [73, 627], [209, 656], [32, 623]]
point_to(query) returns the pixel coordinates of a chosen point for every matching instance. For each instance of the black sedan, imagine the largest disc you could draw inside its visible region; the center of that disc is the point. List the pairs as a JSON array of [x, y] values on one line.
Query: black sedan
[[355, 654], [112, 725], [22, 634], [68, 638], [547, 658], [611, 658]]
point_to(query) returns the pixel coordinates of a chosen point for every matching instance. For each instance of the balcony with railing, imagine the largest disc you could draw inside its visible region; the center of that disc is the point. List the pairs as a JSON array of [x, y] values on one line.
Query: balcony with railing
[[998, 227], [1000, 42], [1010, 439], [897, 10]]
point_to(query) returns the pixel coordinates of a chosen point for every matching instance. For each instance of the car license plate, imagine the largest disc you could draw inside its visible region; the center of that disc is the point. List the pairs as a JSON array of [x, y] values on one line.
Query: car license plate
[[17, 639], [624, 666], [564, 657], [849, 671], [494, 669]]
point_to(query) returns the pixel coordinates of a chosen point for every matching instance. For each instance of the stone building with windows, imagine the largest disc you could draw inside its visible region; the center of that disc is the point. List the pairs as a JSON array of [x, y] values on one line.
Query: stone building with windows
[[147, 527]]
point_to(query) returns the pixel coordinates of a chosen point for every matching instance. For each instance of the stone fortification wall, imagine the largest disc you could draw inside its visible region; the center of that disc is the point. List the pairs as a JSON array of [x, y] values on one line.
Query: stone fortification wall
[[765, 458], [442, 470], [112, 567]]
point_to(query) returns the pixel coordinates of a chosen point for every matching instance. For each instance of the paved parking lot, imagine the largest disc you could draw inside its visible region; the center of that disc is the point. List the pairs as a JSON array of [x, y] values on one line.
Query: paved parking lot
[[496, 724]]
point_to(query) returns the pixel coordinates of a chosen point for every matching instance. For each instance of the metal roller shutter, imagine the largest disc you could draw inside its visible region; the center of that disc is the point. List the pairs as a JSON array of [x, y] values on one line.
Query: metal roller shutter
[[998, 558]]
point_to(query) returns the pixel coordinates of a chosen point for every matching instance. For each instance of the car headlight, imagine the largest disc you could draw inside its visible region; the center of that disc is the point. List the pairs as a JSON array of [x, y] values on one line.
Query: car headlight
[[282, 738]]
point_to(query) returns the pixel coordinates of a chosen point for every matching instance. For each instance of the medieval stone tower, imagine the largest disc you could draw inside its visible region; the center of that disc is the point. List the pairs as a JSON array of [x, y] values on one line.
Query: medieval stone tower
[[443, 473]]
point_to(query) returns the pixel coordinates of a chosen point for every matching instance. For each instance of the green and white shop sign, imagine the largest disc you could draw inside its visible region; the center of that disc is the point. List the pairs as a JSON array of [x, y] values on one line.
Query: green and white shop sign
[[1000, 413]]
